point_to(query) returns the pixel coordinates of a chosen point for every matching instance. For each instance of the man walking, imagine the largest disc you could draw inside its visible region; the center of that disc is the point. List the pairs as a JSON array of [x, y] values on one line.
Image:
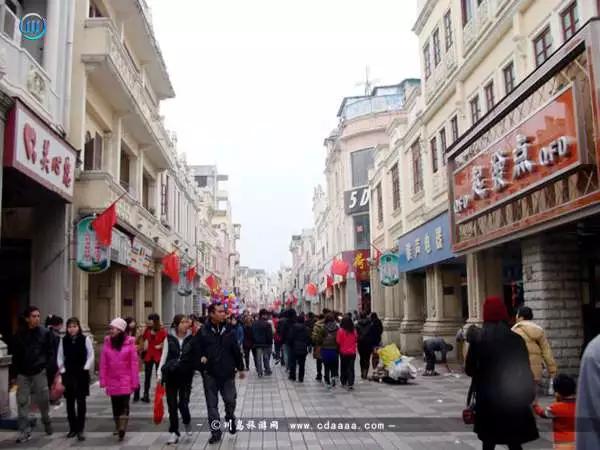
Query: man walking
[[262, 332], [33, 353], [219, 356], [316, 338]]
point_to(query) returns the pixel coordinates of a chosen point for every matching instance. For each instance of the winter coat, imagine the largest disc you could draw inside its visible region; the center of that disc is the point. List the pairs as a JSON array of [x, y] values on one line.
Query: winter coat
[[248, 342], [329, 341], [219, 346], [377, 332], [504, 389], [240, 332], [33, 351], [588, 400], [176, 365], [262, 333], [119, 373], [346, 342], [538, 348], [75, 360], [364, 329], [299, 339], [317, 336], [154, 339]]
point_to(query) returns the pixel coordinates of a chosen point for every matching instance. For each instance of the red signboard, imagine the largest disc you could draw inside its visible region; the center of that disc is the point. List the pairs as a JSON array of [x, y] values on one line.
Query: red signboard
[[359, 263], [545, 145]]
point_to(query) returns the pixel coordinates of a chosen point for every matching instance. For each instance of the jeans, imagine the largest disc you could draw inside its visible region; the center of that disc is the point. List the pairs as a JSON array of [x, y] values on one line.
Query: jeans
[[76, 417], [492, 446], [178, 398], [347, 369], [36, 386], [262, 359], [148, 366], [212, 387], [298, 360], [330, 360]]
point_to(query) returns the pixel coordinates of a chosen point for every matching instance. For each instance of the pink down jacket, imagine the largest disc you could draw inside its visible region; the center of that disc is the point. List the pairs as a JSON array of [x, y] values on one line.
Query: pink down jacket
[[119, 373]]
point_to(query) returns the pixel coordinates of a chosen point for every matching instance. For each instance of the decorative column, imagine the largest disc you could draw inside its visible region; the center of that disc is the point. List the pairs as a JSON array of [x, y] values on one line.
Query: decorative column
[[393, 297], [411, 327], [115, 301], [140, 297], [157, 288], [51, 45], [484, 279], [80, 296], [377, 292]]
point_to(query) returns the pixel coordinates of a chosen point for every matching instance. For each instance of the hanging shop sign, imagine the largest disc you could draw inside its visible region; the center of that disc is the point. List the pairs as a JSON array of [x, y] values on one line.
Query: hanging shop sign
[[140, 257], [389, 269], [543, 146], [35, 150], [91, 257], [120, 247], [425, 245], [185, 287], [356, 200], [358, 262]]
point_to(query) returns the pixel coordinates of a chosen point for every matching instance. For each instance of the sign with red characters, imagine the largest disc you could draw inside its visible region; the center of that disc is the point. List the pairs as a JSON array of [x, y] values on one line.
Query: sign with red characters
[[35, 150]]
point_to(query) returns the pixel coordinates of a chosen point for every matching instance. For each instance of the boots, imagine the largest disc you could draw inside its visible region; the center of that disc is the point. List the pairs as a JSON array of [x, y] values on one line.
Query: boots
[[116, 432], [364, 373], [122, 426]]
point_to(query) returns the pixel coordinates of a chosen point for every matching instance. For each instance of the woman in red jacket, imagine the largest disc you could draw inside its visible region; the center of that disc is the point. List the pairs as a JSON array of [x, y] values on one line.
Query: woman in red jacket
[[154, 337], [346, 339]]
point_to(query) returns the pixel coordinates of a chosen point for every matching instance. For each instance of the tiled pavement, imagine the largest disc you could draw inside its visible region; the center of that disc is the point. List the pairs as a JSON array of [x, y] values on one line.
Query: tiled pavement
[[426, 414]]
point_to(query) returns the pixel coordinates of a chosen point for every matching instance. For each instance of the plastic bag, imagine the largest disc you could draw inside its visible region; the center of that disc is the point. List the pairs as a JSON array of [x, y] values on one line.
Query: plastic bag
[[57, 389], [402, 368], [551, 387], [389, 354], [159, 407]]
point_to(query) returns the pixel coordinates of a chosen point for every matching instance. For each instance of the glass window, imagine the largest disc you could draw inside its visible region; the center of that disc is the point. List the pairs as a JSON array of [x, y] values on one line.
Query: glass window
[[92, 158], [443, 145], [362, 233], [395, 187], [362, 161], [475, 109], [542, 45], [426, 60], [417, 167], [489, 95], [467, 11], [570, 20], [509, 77], [379, 204], [434, 155], [436, 47], [454, 128], [448, 29]]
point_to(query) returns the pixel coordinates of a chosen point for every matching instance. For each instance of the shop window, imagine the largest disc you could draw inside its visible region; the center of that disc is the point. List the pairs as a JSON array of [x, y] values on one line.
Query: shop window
[[92, 158], [437, 58], [427, 61], [443, 145], [395, 187], [448, 29], [542, 45], [489, 95], [475, 110], [94, 11], [467, 11], [509, 77], [434, 155], [379, 204], [361, 161], [417, 167], [569, 19], [362, 233], [454, 128]]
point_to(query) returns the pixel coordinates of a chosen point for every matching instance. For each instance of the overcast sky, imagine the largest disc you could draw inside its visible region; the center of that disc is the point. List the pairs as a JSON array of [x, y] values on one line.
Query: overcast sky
[[258, 85]]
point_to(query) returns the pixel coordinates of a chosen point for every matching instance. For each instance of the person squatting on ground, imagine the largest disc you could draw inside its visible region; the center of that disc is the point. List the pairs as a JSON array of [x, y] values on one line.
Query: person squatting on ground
[[220, 356], [176, 372], [75, 360], [33, 353], [154, 336], [430, 346], [119, 373]]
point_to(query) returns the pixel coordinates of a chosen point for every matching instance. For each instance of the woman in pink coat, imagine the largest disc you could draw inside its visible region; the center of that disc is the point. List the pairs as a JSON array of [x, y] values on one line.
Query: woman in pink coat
[[119, 373]]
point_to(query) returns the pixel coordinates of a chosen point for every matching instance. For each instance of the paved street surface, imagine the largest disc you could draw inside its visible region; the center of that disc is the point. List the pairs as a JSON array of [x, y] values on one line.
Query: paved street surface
[[426, 414]]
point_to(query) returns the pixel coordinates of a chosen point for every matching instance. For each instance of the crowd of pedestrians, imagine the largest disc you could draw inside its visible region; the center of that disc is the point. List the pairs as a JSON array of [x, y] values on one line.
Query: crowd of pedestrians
[[506, 366]]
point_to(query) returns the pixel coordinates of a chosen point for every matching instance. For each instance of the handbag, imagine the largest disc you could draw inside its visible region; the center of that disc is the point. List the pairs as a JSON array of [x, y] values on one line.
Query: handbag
[[159, 407], [57, 389]]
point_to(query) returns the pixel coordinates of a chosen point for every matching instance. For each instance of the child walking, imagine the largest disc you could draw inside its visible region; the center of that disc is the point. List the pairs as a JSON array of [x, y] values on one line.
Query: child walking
[[75, 359], [562, 412]]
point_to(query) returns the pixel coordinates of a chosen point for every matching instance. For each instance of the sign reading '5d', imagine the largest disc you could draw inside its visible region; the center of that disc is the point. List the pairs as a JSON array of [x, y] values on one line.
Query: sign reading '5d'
[[356, 200]]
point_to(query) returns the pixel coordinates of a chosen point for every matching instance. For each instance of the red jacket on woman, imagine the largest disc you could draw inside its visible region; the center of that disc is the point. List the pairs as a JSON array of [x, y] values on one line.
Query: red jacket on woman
[[154, 339]]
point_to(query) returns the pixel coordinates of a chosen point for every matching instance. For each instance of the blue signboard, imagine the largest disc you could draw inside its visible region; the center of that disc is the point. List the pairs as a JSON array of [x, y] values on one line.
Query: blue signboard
[[426, 245]]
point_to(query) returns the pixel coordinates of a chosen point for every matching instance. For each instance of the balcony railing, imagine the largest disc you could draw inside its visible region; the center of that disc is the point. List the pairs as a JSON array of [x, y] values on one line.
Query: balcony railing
[[372, 105]]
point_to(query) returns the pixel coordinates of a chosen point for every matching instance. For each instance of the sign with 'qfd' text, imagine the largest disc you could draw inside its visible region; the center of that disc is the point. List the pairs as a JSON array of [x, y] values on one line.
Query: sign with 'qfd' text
[[356, 200], [543, 146], [36, 151]]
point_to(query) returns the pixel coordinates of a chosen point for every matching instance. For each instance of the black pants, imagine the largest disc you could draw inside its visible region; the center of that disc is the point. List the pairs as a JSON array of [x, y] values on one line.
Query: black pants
[[492, 446], [364, 354], [212, 388], [247, 357], [319, 368], [120, 408], [429, 359], [148, 366], [299, 361], [347, 370], [178, 398], [331, 369], [75, 416]]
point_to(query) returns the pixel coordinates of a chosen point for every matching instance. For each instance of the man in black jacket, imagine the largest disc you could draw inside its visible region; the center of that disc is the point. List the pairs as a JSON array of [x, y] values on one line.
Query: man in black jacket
[[219, 356], [262, 333], [33, 353]]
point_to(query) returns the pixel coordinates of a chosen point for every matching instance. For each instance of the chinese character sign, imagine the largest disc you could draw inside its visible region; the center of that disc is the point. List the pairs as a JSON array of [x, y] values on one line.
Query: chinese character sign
[[91, 256], [389, 269], [541, 147], [36, 151]]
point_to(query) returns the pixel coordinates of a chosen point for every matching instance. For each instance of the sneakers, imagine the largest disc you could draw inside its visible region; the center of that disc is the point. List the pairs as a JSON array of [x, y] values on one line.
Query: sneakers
[[188, 428], [215, 438], [24, 436], [173, 439], [48, 429]]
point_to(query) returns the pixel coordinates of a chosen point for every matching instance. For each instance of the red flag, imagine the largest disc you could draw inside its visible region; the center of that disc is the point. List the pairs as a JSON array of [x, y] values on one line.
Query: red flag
[[311, 289], [339, 267], [212, 283], [329, 281], [191, 274], [171, 267], [103, 225]]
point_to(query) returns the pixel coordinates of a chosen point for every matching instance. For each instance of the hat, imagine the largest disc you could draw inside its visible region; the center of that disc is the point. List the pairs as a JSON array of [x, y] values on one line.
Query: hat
[[119, 324], [494, 310]]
